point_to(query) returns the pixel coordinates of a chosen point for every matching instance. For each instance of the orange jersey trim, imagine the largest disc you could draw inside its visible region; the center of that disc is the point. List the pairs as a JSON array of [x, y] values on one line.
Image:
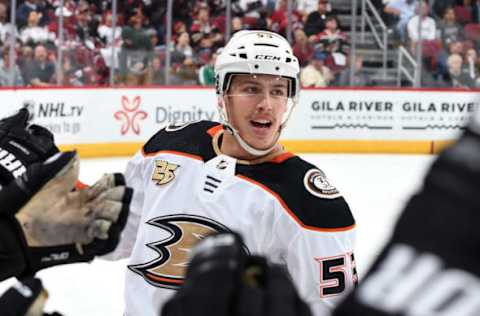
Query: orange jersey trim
[[214, 130], [282, 157], [166, 280], [290, 212], [173, 152]]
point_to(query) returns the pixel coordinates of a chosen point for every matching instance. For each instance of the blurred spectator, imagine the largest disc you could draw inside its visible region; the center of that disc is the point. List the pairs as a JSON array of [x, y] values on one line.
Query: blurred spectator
[[86, 26], [334, 42], [5, 70], [33, 33], [155, 12], [39, 72], [136, 53], [361, 78], [316, 74], [70, 38], [70, 75], [206, 73], [205, 35], [428, 32], [280, 18], [302, 48], [98, 73], [158, 73], [476, 11], [185, 74], [400, 12], [203, 57], [472, 65], [208, 43], [179, 27], [24, 9], [81, 67], [305, 7], [439, 7], [251, 8], [448, 28], [457, 78], [456, 47], [183, 12], [106, 34], [155, 41], [237, 24], [316, 19], [5, 26], [202, 28], [25, 57], [183, 45], [463, 11]]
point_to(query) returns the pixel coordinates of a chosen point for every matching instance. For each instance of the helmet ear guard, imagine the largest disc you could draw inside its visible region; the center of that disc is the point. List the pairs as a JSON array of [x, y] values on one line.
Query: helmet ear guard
[[256, 52]]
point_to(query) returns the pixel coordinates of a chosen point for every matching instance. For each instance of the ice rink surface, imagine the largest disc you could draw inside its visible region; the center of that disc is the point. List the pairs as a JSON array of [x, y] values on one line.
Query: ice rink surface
[[375, 186]]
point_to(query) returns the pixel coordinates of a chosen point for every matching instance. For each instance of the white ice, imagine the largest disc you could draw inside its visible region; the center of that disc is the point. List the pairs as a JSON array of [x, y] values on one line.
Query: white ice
[[375, 186]]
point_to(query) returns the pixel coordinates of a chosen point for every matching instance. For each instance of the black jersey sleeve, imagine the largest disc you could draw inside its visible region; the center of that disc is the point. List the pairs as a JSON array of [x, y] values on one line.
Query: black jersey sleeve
[[309, 196], [190, 138]]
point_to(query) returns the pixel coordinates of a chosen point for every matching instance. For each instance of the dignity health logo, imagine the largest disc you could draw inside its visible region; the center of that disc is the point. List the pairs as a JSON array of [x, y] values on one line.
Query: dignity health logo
[[130, 116]]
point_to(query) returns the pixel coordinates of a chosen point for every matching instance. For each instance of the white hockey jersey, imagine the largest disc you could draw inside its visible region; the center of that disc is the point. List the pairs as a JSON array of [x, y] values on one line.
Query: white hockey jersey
[[185, 189]]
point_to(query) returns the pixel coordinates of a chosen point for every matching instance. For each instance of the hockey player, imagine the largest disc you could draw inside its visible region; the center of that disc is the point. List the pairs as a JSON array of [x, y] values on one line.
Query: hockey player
[[431, 265], [204, 177], [42, 221]]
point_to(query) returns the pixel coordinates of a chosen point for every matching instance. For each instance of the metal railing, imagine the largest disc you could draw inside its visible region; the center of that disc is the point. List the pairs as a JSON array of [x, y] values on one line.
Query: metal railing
[[380, 39], [404, 55]]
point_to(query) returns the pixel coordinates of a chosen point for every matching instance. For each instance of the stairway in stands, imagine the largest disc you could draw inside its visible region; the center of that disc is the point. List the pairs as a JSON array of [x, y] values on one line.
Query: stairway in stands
[[369, 49]]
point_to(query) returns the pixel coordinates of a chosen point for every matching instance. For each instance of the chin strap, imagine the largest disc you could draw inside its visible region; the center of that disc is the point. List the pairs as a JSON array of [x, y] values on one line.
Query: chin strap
[[233, 131], [251, 150]]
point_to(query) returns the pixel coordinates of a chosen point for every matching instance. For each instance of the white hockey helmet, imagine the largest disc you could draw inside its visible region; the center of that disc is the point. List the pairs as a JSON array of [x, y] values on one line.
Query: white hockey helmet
[[256, 52]]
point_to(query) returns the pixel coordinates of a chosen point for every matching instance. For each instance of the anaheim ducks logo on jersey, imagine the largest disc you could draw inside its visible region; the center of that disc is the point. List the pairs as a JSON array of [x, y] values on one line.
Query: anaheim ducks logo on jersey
[[164, 172], [317, 183], [168, 270]]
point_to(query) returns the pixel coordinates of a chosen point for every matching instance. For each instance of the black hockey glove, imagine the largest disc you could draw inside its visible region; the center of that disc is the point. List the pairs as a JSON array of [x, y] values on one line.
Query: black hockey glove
[[27, 297], [22, 144], [58, 225], [223, 280], [433, 251]]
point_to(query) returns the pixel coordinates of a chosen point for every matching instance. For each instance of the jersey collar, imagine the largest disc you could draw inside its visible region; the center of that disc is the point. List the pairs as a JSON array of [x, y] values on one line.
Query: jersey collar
[[278, 157]]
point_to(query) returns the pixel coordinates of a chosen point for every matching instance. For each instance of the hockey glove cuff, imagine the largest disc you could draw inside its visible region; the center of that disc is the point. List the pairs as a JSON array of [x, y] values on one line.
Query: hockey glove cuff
[[22, 144]]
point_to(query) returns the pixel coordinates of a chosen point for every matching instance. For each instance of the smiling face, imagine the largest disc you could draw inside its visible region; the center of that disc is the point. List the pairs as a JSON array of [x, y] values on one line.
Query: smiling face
[[255, 106], [183, 39]]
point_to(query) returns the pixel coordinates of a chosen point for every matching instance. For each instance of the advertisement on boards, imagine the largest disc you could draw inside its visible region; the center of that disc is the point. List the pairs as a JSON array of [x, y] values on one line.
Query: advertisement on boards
[[380, 114], [104, 115]]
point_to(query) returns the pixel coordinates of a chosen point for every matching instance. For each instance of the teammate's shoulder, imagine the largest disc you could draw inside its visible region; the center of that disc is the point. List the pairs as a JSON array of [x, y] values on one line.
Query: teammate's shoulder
[[180, 137], [308, 195]]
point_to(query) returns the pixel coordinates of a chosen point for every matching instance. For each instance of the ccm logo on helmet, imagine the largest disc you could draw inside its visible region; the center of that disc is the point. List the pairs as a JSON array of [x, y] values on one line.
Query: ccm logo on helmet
[[267, 57]]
